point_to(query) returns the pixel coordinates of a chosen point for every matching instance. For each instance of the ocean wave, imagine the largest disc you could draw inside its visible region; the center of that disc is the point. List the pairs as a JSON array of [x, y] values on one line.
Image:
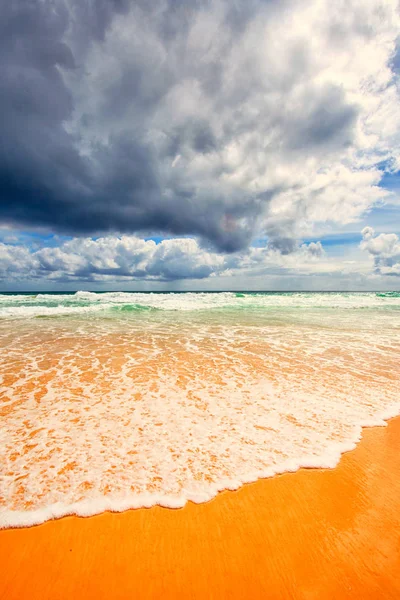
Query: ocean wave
[[82, 302], [119, 414]]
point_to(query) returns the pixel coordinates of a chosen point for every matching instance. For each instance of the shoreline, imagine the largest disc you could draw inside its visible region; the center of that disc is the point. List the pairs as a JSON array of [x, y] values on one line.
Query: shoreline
[[315, 533], [83, 509]]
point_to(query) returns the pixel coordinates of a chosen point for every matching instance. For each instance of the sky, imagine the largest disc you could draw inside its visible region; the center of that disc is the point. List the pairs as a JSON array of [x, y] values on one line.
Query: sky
[[204, 145]]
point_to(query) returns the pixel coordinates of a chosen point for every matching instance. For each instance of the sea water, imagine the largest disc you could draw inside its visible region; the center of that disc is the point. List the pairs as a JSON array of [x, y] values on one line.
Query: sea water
[[110, 401]]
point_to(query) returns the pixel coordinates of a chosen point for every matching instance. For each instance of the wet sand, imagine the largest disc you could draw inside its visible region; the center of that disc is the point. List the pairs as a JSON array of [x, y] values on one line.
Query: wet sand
[[314, 534]]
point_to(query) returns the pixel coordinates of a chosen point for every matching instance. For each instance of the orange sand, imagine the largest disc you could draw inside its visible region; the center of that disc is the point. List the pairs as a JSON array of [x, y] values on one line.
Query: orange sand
[[312, 535]]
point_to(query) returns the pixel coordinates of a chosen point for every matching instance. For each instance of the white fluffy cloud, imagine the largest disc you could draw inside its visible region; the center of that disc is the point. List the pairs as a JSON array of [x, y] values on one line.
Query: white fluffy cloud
[[384, 249], [130, 258]]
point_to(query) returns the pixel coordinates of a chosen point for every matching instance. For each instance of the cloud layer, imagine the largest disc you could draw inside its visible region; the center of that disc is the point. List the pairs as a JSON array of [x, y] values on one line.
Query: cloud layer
[[130, 258], [212, 119]]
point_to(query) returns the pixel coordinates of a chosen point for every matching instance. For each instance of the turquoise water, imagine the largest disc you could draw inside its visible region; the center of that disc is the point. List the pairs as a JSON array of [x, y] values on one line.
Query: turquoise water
[[90, 303]]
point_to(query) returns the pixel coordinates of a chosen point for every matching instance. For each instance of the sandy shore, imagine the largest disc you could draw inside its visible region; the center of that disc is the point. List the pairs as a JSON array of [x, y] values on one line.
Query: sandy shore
[[314, 534]]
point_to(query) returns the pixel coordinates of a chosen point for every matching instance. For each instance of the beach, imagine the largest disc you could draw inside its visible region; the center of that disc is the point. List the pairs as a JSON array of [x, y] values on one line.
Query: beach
[[323, 534], [200, 446]]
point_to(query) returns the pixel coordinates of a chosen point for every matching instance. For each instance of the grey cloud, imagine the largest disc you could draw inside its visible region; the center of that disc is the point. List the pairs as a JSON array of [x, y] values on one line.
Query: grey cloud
[[328, 121], [95, 16], [159, 116], [395, 59], [284, 245]]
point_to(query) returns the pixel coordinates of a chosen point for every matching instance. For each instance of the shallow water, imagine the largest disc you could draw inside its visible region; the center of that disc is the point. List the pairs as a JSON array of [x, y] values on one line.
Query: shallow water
[[116, 400]]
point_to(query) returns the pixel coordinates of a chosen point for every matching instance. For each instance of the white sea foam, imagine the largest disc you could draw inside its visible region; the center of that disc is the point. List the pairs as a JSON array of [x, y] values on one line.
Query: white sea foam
[[23, 306], [110, 414]]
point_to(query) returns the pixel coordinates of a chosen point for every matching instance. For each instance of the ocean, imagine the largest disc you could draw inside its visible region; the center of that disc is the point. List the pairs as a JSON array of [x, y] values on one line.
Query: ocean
[[117, 400]]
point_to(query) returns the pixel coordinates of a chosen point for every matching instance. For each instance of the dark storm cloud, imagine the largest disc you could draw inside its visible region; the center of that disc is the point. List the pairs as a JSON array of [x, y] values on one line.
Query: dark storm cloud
[[44, 180], [38, 162], [167, 123]]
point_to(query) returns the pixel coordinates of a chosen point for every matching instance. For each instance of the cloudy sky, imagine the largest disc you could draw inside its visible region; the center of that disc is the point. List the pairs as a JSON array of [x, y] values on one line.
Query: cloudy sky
[[193, 144]]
